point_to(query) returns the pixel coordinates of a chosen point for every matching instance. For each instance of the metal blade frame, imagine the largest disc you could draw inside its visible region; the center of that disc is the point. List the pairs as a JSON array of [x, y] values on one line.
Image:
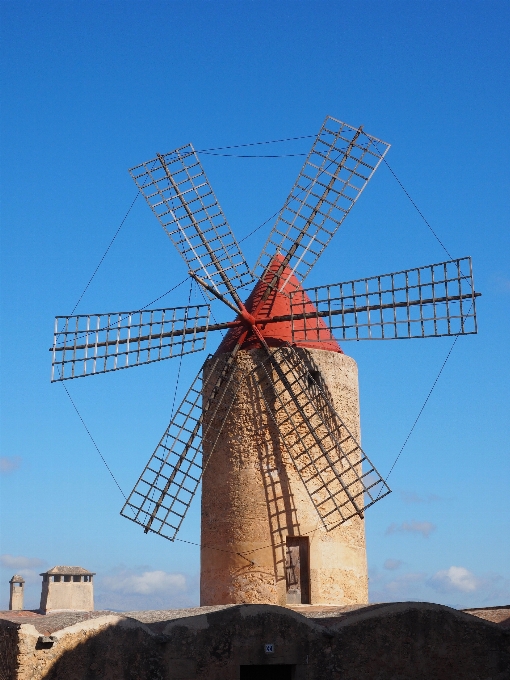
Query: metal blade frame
[[339, 166], [165, 489], [178, 192], [431, 301], [327, 457], [88, 344]]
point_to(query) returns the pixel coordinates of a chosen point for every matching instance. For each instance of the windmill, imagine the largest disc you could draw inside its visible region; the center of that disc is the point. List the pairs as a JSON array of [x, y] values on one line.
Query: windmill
[[270, 425]]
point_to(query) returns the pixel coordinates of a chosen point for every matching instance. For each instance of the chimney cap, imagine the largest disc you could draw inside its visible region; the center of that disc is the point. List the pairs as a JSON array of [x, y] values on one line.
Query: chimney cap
[[64, 571], [17, 579]]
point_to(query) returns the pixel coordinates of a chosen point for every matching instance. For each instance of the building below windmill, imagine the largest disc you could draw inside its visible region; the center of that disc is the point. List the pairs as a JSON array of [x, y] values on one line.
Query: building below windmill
[[407, 640], [63, 588], [16, 592], [67, 588]]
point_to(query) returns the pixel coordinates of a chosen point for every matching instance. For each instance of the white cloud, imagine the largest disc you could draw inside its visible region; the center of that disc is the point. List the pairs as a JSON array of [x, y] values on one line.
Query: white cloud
[[9, 464], [391, 564], [31, 576], [454, 579], [412, 497], [404, 584], [456, 587], [407, 586], [423, 528], [20, 562], [143, 588], [147, 583]]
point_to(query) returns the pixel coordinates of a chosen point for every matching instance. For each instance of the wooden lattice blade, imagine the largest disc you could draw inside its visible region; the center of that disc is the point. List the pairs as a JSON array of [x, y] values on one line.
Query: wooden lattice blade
[[98, 343], [168, 483], [340, 164], [338, 476], [177, 190], [430, 301]]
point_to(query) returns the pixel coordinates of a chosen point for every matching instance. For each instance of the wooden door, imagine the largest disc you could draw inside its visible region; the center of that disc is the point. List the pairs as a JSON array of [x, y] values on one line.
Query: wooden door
[[297, 570]]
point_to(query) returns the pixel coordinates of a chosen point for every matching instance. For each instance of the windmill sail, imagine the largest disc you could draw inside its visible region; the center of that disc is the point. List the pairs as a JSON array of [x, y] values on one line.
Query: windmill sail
[[339, 478], [166, 487], [87, 344], [428, 301], [337, 169], [177, 190]]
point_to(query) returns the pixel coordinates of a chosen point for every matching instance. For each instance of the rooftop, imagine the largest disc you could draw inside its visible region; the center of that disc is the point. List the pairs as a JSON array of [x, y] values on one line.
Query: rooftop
[[17, 579], [74, 571], [323, 615]]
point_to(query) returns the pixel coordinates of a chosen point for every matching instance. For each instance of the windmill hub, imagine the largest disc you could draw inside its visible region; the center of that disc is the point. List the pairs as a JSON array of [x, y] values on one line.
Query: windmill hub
[[274, 320]]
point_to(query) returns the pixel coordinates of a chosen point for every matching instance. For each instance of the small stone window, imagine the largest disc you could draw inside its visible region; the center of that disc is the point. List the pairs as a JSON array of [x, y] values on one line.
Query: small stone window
[[67, 578], [57, 578], [76, 579]]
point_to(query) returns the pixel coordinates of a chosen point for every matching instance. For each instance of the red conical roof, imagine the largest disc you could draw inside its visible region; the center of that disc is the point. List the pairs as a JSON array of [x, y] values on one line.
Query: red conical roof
[[278, 304]]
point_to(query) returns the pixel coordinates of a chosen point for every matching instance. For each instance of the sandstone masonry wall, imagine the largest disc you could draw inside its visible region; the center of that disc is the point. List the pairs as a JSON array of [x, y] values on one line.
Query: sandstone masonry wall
[[406, 640], [253, 498]]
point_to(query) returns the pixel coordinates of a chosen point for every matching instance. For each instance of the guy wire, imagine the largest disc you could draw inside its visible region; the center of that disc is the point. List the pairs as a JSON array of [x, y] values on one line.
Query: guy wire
[[93, 441], [233, 552], [418, 210], [206, 151], [105, 252]]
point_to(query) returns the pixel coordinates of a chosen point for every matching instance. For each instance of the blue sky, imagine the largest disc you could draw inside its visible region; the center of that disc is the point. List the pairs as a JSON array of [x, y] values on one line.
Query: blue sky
[[92, 89]]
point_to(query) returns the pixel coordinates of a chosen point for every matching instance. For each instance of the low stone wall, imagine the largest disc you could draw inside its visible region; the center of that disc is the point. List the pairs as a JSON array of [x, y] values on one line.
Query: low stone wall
[[108, 647], [408, 641], [8, 650]]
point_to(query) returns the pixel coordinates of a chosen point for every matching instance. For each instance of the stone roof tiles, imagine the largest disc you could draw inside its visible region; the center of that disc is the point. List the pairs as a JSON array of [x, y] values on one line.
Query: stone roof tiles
[[74, 571], [17, 579]]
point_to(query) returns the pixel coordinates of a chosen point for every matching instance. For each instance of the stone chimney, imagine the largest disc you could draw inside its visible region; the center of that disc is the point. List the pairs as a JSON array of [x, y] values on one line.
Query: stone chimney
[[67, 588], [16, 593]]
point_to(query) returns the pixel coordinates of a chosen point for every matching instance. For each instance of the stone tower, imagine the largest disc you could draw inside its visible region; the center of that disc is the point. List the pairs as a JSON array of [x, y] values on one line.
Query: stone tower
[[16, 593], [254, 504], [67, 588]]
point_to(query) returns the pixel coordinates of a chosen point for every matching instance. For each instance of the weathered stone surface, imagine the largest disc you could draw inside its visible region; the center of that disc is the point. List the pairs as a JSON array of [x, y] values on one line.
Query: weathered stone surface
[[8, 650], [47, 624], [396, 641], [16, 592], [500, 615], [109, 647], [253, 498], [65, 595], [65, 587]]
